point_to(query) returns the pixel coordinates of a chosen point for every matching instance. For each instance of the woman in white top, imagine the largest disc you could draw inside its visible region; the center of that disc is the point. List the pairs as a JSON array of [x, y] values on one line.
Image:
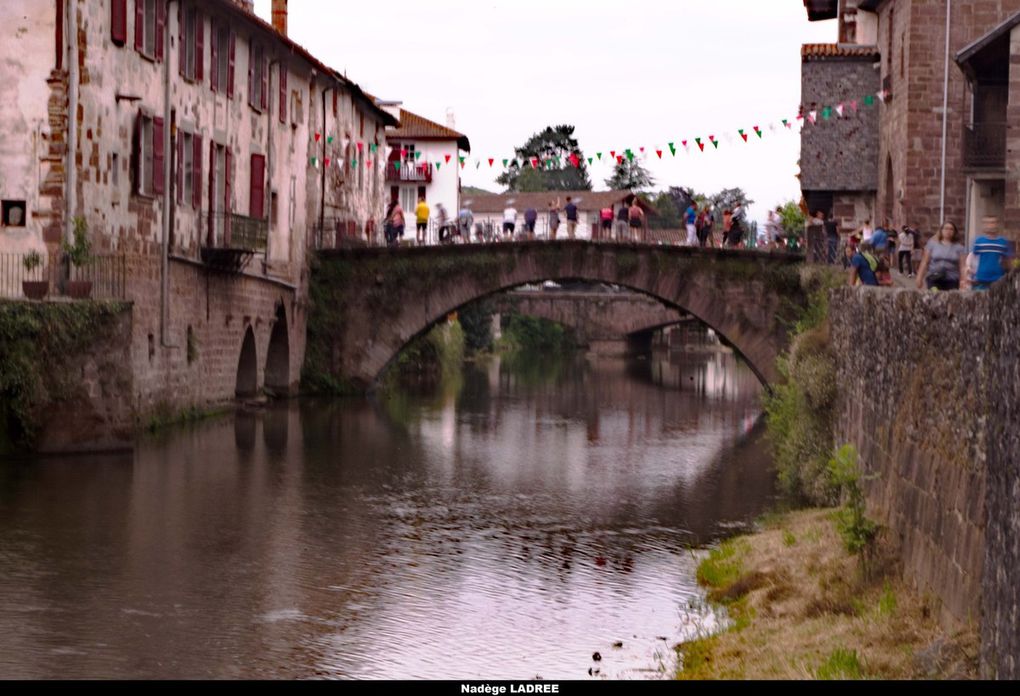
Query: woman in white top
[[905, 251], [509, 221], [867, 231]]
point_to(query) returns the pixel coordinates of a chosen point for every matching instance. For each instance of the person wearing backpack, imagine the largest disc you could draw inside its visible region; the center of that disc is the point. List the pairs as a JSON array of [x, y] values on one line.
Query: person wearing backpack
[[864, 266]]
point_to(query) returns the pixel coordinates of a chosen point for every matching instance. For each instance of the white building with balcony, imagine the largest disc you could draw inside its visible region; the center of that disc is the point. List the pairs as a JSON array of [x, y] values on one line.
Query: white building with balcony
[[424, 160]]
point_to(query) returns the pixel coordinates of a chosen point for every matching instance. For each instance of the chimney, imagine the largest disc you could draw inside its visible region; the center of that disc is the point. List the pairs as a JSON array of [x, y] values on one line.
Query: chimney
[[280, 16]]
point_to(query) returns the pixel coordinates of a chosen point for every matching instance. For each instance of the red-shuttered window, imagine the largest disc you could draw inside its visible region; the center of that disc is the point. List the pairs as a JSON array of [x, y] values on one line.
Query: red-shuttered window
[[148, 155], [191, 43], [257, 198], [150, 22], [258, 77], [189, 169], [118, 21]]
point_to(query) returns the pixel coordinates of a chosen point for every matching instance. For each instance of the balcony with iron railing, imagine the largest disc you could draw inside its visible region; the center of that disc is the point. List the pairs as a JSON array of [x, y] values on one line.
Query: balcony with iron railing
[[100, 277], [231, 240], [409, 172], [984, 145]]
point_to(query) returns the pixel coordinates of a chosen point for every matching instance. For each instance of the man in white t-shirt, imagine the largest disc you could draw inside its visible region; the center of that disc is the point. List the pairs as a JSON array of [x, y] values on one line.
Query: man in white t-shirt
[[509, 221]]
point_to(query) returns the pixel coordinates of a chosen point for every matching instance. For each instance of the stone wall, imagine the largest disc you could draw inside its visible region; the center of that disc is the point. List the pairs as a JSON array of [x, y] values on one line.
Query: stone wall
[[840, 154], [1000, 636], [912, 400], [930, 396]]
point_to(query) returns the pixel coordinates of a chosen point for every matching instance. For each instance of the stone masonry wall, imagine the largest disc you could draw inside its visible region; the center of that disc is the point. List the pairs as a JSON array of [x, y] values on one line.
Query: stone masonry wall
[[1000, 636], [911, 380], [930, 396], [840, 154]]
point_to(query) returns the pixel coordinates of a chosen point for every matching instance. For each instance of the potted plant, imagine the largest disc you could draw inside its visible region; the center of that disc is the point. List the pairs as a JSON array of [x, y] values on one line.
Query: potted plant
[[79, 253], [34, 289]]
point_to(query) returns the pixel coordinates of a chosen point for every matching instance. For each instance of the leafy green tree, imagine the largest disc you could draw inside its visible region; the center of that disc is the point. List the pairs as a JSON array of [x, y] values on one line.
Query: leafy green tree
[[476, 320], [630, 175], [667, 215], [727, 199], [792, 217], [553, 148]]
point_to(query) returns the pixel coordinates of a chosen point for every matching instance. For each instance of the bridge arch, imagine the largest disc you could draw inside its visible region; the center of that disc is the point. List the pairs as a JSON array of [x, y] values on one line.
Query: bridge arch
[[278, 354], [247, 367], [384, 299]]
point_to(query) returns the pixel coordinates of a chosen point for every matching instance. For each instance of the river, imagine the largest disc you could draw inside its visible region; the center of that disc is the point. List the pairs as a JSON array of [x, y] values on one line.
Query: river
[[508, 523]]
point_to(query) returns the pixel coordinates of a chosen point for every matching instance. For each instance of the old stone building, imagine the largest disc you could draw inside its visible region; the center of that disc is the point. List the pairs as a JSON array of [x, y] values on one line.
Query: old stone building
[[928, 168], [206, 151]]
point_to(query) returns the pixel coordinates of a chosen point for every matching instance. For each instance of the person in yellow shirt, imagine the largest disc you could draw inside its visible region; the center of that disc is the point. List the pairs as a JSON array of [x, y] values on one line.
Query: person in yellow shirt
[[422, 215]]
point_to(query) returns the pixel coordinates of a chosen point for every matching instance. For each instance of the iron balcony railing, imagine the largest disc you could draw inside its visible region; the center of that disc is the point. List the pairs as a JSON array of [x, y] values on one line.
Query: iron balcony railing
[[106, 273], [408, 172], [984, 145], [236, 232]]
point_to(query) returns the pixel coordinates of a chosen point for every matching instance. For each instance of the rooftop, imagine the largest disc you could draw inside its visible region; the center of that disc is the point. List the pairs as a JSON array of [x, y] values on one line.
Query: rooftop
[[415, 127], [818, 51]]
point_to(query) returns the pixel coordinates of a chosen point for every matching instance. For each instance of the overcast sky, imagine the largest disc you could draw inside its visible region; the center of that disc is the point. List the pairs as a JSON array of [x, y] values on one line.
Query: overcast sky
[[627, 75]]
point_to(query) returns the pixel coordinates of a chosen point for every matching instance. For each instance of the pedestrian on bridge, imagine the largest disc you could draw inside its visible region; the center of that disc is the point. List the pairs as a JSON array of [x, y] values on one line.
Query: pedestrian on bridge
[[554, 219], [706, 222], [422, 214], [637, 220], [530, 221], [571, 210], [945, 260], [509, 221], [606, 217], [691, 223], [623, 220]]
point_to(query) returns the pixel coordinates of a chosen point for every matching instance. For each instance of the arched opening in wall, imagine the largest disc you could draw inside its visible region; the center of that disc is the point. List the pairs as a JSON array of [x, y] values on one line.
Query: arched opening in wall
[[890, 191], [278, 355], [247, 368]]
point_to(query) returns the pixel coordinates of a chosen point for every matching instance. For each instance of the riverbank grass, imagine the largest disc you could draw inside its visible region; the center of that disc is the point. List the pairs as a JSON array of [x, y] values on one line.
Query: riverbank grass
[[800, 608]]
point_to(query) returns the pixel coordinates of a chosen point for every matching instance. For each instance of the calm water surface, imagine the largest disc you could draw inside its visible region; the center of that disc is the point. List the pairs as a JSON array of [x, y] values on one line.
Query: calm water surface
[[507, 524]]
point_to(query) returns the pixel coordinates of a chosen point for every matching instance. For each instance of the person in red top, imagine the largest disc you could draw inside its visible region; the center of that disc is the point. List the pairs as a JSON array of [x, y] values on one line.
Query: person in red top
[[606, 215]]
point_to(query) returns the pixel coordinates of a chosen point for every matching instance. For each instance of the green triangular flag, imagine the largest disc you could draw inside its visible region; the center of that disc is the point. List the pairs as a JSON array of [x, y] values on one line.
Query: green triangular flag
[[599, 155], [373, 147], [630, 155], [504, 162], [417, 154], [461, 159], [314, 160], [716, 143], [438, 165], [672, 149], [396, 166], [827, 112], [329, 140], [354, 164], [869, 100], [590, 160]]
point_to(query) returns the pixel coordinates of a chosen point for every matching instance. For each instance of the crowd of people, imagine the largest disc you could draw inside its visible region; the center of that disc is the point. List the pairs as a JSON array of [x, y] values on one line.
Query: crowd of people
[[943, 262]]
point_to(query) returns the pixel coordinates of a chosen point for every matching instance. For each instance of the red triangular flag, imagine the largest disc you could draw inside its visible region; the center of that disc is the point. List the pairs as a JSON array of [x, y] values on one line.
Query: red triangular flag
[[619, 159], [360, 146], [659, 153], [448, 159], [403, 153], [612, 153], [327, 161], [318, 137], [491, 161], [642, 149]]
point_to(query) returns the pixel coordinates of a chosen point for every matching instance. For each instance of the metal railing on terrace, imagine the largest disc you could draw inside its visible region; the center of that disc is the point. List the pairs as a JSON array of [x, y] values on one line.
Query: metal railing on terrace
[[103, 277], [984, 145]]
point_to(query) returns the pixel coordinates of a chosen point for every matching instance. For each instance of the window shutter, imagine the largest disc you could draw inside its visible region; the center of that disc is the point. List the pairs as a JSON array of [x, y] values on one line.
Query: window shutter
[[180, 167], [160, 27], [182, 40], [256, 208], [158, 156], [118, 22], [212, 193], [196, 180], [228, 203], [252, 99], [334, 103], [283, 93], [232, 53], [199, 46], [264, 87], [214, 73], [136, 155], [140, 25]]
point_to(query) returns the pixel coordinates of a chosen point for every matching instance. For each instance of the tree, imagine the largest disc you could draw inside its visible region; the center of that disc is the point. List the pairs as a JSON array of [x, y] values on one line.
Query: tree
[[727, 199], [667, 213], [553, 149], [629, 174], [792, 217]]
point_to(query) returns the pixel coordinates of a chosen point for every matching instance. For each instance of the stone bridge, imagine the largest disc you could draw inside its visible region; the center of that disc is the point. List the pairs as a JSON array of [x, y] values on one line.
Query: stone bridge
[[367, 304], [602, 321]]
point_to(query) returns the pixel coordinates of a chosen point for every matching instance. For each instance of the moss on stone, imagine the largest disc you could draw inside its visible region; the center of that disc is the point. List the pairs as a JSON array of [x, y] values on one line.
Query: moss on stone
[[39, 342]]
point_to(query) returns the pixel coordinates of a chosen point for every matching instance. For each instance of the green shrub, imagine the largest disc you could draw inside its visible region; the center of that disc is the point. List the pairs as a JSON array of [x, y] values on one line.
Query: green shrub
[[841, 664]]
